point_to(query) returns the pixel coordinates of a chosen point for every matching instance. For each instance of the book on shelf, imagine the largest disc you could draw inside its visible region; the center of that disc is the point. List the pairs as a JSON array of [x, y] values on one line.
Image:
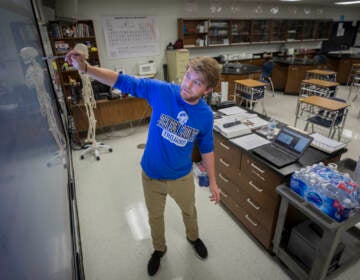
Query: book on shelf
[[62, 30]]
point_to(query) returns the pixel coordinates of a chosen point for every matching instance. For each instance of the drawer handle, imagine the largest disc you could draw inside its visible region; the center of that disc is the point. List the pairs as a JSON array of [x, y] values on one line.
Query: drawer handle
[[248, 200], [223, 178], [257, 168], [224, 146], [224, 162], [251, 221], [224, 194], [258, 175], [255, 187]]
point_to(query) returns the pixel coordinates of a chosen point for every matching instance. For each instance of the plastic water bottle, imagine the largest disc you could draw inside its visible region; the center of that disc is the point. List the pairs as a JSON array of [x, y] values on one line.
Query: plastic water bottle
[[271, 129], [296, 183], [356, 174], [315, 194]]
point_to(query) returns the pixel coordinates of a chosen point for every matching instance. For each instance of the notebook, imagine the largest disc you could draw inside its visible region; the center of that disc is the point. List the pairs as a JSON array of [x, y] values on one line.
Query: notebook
[[287, 148]]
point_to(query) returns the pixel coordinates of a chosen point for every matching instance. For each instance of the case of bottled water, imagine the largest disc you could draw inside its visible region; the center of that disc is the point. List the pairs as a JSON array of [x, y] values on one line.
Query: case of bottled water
[[334, 193]]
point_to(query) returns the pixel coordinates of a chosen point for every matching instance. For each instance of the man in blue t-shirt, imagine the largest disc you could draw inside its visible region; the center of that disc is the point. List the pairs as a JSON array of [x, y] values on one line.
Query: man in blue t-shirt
[[179, 117]]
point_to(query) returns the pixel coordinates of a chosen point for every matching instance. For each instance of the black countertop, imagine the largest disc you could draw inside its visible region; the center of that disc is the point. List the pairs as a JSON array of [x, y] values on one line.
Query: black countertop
[[310, 156], [295, 61], [240, 68], [343, 55]]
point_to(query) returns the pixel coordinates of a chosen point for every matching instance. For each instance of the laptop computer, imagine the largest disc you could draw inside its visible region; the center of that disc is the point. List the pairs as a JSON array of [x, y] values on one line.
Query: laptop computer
[[287, 148]]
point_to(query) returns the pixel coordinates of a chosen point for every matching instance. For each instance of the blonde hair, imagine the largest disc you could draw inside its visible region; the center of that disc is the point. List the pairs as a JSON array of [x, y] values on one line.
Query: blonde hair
[[208, 67]]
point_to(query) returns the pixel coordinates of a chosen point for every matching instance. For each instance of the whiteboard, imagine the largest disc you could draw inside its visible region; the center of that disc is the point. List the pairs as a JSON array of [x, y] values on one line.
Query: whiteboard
[[131, 36]]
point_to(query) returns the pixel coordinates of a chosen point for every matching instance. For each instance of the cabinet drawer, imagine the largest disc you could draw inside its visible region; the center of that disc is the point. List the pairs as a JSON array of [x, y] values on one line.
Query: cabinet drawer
[[260, 205], [259, 172], [251, 223], [228, 169], [227, 186], [264, 214], [257, 229], [264, 192], [225, 198], [227, 151]]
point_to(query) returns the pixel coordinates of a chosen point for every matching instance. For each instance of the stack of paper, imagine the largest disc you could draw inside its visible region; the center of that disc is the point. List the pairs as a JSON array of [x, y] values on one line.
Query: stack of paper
[[233, 110], [326, 144], [232, 131], [250, 141], [254, 122]]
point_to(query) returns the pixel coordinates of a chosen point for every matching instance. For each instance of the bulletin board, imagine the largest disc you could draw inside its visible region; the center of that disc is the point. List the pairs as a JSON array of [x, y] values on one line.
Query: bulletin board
[[131, 36]]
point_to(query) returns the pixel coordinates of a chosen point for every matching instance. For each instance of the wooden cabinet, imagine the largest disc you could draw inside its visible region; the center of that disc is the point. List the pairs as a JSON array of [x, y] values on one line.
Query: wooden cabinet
[[260, 31], [219, 33], [279, 76], [247, 186], [177, 61], [308, 30], [323, 29], [247, 189], [278, 31], [294, 30], [296, 74], [114, 112], [205, 32], [231, 84], [193, 32], [287, 77], [342, 66], [240, 31]]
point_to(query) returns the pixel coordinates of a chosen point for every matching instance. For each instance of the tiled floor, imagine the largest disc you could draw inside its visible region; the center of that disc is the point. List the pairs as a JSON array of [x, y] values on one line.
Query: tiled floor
[[113, 219]]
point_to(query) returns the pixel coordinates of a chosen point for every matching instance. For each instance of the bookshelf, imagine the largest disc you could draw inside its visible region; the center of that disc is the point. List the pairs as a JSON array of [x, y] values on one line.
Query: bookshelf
[[63, 37]]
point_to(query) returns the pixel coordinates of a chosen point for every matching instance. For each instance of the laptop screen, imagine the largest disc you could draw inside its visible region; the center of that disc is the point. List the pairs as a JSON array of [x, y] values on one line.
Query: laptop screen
[[293, 140]]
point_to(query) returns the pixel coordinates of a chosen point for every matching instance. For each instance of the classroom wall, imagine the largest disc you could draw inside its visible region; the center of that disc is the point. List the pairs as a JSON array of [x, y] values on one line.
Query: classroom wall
[[167, 12]]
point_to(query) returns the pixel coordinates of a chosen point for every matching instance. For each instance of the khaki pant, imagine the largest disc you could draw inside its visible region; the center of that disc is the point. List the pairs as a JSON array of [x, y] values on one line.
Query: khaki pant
[[182, 191]]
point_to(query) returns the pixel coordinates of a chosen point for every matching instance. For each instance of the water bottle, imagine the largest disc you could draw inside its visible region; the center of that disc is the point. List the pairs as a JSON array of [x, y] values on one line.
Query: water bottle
[[315, 194], [343, 204], [271, 129], [356, 173], [296, 183], [329, 198]]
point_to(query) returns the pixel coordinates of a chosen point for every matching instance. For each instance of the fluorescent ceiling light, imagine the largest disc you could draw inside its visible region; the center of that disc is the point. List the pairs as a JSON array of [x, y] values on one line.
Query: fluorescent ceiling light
[[347, 3], [290, 0]]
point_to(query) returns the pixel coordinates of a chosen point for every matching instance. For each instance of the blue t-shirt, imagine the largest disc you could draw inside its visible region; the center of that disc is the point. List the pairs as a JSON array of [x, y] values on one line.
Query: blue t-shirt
[[174, 126]]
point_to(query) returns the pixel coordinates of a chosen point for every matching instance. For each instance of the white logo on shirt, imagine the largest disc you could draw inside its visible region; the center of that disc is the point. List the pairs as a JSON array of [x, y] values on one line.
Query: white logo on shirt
[[182, 117], [176, 131]]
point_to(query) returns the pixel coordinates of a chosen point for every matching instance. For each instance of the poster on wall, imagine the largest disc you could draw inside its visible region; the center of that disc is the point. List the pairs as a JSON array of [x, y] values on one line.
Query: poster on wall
[[131, 36]]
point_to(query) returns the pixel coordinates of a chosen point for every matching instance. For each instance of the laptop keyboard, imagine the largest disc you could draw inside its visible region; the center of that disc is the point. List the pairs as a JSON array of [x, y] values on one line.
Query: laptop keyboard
[[280, 156]]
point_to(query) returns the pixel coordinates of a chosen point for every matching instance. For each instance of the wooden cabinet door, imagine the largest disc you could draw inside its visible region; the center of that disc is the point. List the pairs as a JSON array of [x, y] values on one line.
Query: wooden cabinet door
[[344, 70], [279, 76], [296, 73]]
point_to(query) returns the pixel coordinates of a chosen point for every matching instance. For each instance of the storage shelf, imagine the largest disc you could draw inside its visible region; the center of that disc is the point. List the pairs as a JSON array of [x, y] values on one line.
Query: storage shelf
[[253, 29]]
